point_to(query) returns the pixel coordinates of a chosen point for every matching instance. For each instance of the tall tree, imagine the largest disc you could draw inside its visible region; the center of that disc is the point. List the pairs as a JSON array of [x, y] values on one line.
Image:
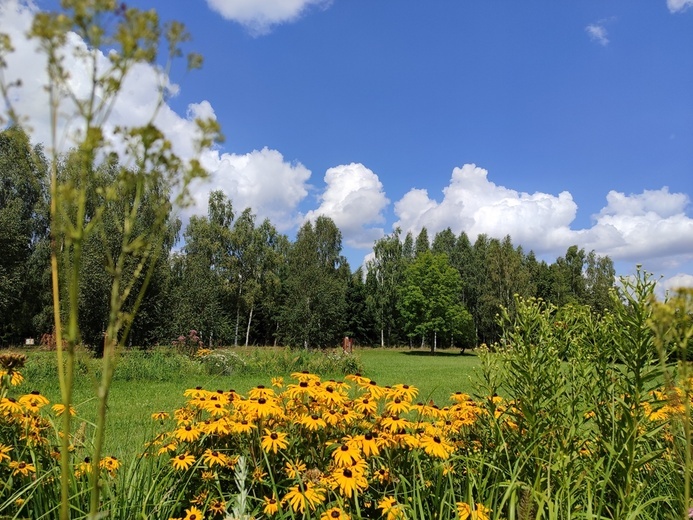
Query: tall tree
[[386, 271], [313, 310], [23, 228], [422, 244], [429, 300]]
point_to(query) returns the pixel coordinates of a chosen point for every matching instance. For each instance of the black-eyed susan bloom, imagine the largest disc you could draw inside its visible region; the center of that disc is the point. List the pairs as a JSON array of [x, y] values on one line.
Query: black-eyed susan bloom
[[9, 405], [273, 441], [188, 433], [313, 422], [193, 514], [348, 480], [217, 507], [19, 467], [436, 446], [59, 409], [346, 454], [335, 513], [183, 461], [4, 450], [271, 506], [466, 512], [294, 469], [391, 509], [213, 458], [306, 495]]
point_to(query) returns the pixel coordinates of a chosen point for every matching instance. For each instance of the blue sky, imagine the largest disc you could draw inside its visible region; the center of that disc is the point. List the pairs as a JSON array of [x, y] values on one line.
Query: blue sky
[[556, 122]]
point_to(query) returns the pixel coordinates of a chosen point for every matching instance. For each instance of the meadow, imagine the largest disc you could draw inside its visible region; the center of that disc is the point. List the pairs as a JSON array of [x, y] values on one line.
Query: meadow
[[148, 382]]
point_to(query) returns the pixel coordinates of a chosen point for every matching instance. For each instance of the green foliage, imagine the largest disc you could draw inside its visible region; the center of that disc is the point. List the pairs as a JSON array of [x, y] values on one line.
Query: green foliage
[[585, 436], [429, 300]]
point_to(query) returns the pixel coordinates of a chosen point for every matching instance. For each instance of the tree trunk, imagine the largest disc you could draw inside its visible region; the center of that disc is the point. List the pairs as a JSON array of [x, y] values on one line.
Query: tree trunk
[[250, 319], [434, 345], [382, 337]]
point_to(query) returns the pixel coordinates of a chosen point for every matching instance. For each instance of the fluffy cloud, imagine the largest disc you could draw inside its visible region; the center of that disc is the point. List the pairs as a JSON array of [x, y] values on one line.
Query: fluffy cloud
[[354, 199], [261, 180], [136, 105], [676, 6], [259, 16], [476, 205], [678, 281], [651, 226]]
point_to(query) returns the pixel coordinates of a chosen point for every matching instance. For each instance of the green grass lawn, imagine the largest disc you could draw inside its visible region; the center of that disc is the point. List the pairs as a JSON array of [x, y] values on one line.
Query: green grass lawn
[[131, 403]]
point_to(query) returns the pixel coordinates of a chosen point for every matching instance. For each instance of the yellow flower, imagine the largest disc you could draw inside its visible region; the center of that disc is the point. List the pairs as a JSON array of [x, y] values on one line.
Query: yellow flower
[[160, 416], [110, 464], [183, 461], [213, 457], [294, 469], [9, 405], [395, 423], [273, 441], [217, 507], [436, 446], [345, 454], [335, 513], [193, 514], [397, 406], [365, 405], [271, 506], [391, 509], [278, 382], [299, 498], [369, 444], [404, 392], [59, 409], [188, 433], [349, 480], [242, 426], [260, 391], [313, 422], [465, 512], [4, 450], [20, 467]]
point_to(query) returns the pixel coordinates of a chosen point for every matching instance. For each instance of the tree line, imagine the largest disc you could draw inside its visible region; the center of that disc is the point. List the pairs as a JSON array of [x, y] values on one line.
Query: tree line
[[238, 281]]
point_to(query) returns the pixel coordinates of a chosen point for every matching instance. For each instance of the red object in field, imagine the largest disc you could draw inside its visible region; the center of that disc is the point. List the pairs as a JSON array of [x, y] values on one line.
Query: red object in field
[[348, 344]]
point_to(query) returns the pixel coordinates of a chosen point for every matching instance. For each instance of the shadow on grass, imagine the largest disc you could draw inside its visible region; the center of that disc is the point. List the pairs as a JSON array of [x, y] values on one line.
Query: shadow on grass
[[439, 353]]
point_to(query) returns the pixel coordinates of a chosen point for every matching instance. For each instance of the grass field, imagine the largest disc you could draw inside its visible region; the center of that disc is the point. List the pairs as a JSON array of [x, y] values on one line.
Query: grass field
[[131, 402]]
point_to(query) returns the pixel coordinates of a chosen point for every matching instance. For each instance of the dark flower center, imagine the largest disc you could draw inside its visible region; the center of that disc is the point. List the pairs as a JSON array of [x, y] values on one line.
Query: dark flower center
[[274, 436], [334, 514], [348, 473]]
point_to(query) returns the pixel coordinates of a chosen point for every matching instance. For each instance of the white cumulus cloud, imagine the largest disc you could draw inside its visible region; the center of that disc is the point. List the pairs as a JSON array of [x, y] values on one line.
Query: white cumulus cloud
[[261, 180], [651, 226], [676, 6], [354, 199], [473, 204], [678, 281], [136, 104], [259, 16]]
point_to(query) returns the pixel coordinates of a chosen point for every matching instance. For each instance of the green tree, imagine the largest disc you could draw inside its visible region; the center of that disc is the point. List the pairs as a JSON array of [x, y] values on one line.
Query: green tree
[[429, 300], [314, 290], [23, 235], [422, 244], [386, 273]]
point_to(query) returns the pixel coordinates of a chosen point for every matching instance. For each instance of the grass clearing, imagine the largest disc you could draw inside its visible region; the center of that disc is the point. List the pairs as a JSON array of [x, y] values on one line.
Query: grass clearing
[[145, 384]]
